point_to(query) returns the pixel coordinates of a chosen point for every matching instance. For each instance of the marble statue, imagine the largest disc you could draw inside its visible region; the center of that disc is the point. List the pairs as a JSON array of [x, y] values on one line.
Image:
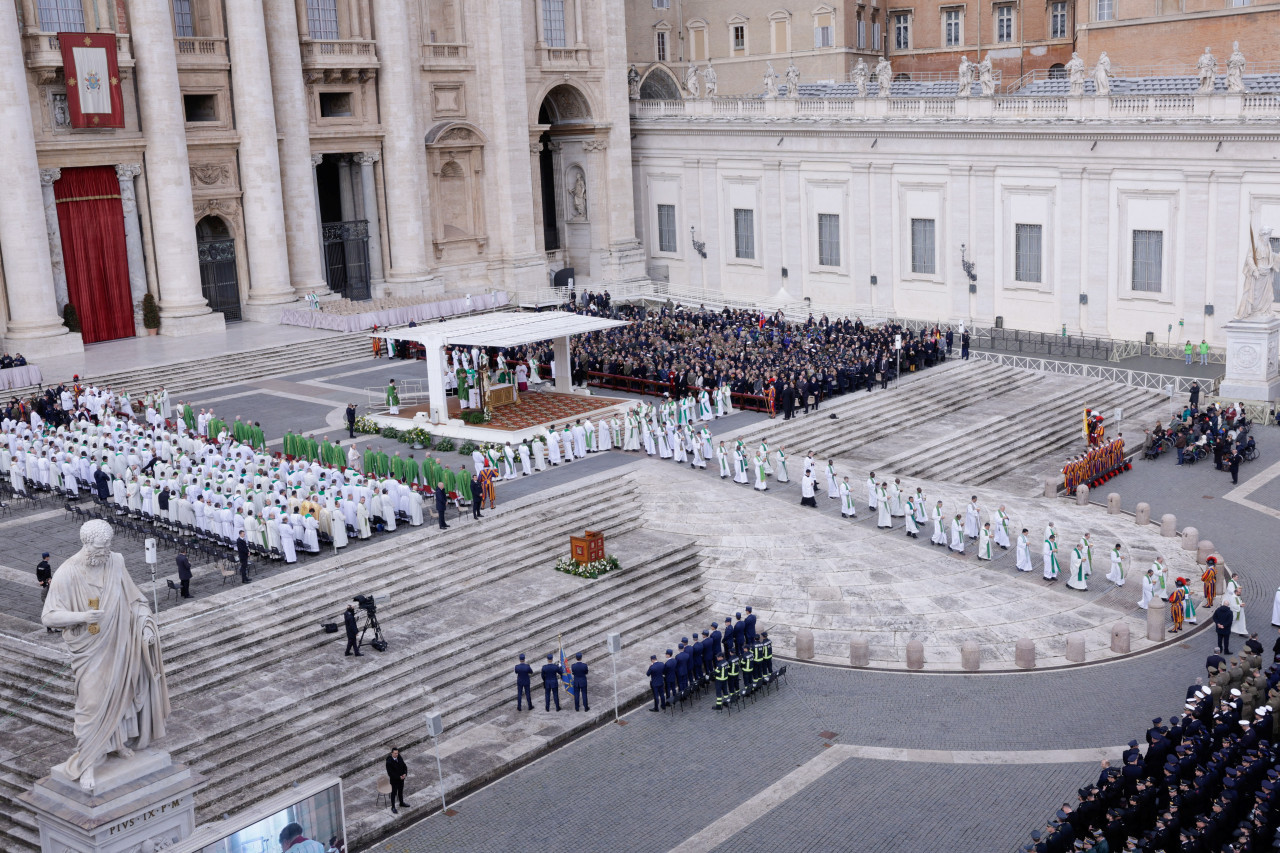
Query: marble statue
[[884, 77], [793, 81], [860, 75], [633, 83], [691, 81], [1206, 67], [121, 696], [964, 78], [986, 78], [578, 194], [770, 81], [1102, 75], [710, 82], [1075, 75], [1235, 70], [1259, 267]]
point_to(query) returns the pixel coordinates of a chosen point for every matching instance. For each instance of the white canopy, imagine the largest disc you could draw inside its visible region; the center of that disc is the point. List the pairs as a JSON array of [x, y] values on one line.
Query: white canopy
[[501, 329]]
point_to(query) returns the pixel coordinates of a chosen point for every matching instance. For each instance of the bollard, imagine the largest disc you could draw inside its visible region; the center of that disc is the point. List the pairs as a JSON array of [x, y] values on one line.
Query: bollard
[[1075, 648], [970, 656], [1155, 621], [1120, 638], [1051, 486], [1082, 495], [804, 644], [915, 655], [1113, 503], [859, 652], [1168, 525], [1190, 538], [1142, 514], [1204, 550], [1024, 653]]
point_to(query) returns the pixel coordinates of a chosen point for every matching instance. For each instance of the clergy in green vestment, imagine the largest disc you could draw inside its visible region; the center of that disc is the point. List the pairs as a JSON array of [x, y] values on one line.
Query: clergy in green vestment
[[188, 416], [370, 460], [462, 387], [259, 440]]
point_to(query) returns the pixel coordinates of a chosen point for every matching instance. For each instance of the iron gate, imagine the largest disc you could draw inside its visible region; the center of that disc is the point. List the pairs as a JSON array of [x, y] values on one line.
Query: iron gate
[[346, 257], [218, 276]]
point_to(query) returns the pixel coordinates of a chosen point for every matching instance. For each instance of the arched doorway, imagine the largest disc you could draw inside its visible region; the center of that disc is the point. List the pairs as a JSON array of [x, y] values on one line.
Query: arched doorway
[[563, 108], [216, 248], [659, 85], [1057, 71]]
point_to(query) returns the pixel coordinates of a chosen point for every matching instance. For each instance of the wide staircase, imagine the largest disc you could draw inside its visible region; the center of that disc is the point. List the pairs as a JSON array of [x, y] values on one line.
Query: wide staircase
[[263, 697], [185, 376]]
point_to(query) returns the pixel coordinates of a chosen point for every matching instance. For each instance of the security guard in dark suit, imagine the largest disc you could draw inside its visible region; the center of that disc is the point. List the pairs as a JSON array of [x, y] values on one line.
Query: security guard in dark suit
[[523, 673], [656, 683], [578, 670], [551, 673], [720, 674], [750, 626]]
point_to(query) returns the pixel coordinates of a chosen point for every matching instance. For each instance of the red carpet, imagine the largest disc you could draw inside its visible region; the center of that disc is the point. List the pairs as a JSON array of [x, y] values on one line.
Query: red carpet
[[546, 407]]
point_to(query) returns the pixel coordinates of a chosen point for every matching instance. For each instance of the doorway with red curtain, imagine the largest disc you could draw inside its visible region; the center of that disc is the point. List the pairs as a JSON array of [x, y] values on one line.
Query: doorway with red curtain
[[91, 218]]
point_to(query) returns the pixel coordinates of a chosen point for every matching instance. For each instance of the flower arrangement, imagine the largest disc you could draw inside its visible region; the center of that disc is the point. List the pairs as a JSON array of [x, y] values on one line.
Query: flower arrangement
[[444, 445], [467, 448], [417, 435], [591, 570], [367, 425]]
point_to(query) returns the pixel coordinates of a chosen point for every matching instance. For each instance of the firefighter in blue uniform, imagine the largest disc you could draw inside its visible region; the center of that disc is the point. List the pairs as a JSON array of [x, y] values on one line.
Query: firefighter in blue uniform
[[720, 674]]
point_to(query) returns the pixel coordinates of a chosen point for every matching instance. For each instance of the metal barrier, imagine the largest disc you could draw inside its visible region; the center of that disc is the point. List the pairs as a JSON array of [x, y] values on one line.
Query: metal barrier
[[1163, 382], [656, 388]]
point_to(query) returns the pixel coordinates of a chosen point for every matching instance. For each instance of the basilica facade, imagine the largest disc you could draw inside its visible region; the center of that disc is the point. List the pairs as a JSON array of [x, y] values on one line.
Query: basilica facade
[[229, 158]]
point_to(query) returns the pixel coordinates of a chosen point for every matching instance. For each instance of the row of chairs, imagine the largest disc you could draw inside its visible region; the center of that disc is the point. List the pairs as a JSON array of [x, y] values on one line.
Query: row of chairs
[[745, 692]]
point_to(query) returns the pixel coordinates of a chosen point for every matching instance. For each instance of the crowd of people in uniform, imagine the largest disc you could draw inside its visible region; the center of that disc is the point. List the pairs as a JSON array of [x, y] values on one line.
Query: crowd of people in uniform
[[736, 660], [1206, 782]]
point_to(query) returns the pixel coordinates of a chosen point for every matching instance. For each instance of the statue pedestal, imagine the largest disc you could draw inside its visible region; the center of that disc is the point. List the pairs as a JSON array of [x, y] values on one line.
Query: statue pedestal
[[143, 803], [1253, 360]]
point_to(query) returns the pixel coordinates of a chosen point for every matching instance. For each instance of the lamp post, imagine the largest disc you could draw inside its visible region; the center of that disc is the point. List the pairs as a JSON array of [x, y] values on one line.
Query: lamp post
[[614, 642], [435, 726]]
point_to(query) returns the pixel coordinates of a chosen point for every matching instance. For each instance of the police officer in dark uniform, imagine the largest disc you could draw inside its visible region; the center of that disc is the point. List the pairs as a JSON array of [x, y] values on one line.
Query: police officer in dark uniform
[[44, 575], [750, 627], [682, 665], [656, 683], [349, 619], [695, 659], [716, 648], [740, 636], [523, 674], [728, 637], [579, 672], [551, 673], [669, 667], [709, 658]]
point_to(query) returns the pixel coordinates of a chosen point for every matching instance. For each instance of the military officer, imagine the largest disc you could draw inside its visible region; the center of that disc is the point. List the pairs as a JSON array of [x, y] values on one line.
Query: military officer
[[579, 671], [523, 674], [551, 672], [656, 683]]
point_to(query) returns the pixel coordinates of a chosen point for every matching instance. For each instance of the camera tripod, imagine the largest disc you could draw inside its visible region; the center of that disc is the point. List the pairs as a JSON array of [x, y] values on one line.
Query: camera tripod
[[371, 621]]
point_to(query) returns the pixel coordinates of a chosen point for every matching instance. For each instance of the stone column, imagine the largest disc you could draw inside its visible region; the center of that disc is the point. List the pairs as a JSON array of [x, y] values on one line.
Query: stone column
[[183, 308], [535, 172], [564, 366], [34, 327], [403, 156], [262, 200], [345, 195], [369, 210], [297, 182], [126, 172], [47, 179], [316, 160]]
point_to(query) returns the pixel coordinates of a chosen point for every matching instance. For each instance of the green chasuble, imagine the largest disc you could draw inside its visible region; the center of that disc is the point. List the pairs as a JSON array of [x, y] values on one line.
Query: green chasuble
[[189, 417]]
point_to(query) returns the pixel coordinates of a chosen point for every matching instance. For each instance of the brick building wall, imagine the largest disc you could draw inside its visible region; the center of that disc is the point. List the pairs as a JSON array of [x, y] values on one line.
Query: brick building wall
[[1177, 41]]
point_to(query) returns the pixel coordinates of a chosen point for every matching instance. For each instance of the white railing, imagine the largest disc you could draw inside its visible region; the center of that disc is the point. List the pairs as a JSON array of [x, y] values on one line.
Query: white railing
[[1162, 382], [447, 51], [201, 47]]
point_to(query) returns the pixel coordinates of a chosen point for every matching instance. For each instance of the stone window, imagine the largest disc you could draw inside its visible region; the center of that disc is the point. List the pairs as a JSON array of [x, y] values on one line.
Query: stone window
[[61, 16], [1058, 20], [662, 4], [322, 19], [862, 32], [902, 31], [697, 42], [738, 36], [183, 27], [553, 23], [661, 49], [744, 233], [923, 258], [823, 30], [952, 27], [828, 240], [1027, 252], [667, 228], [200, 107], [1106, 10], [1148, 257], [1004, 23], [780, 32]]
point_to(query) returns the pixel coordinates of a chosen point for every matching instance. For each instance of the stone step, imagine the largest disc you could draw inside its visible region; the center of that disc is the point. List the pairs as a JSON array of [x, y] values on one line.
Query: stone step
[[18, 829], [346, 749]]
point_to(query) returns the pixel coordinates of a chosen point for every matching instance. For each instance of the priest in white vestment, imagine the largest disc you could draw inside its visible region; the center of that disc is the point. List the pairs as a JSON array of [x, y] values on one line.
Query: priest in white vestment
[[1023, 553]]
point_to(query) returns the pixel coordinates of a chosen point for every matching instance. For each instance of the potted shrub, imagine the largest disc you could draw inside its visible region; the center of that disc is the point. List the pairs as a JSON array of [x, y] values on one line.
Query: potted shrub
[[70, 318], [150, 314]]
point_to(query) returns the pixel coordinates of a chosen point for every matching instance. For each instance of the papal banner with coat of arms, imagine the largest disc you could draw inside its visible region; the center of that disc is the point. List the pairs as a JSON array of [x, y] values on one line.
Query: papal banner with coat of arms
[[93, 79]]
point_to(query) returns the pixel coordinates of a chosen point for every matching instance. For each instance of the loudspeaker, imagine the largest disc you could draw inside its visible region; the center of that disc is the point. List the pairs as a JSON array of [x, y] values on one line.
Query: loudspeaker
[[874, 279], [973, 288], [614, 642], [1208, 310], [435, 725], [1084, 299]]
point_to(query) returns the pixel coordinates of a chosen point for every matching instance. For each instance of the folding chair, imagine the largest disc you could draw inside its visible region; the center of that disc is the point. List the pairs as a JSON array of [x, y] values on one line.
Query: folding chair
[[172, 588], [729, 702]]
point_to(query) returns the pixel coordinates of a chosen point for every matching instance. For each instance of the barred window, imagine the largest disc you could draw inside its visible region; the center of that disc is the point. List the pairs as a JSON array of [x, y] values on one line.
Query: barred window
[[744, 233], [553, 23], [666, 228], [61, 16], [1027, 252], [828, 240], [182, 26], [322, 19], [922, 249], [1148, 256]]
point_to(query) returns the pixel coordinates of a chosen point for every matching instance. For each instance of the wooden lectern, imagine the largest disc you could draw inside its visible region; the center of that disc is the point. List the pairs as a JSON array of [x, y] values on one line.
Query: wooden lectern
[[588, 547]]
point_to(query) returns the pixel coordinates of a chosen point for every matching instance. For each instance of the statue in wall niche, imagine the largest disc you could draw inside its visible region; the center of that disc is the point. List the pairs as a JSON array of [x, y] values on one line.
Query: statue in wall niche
[[1235, 71], [578, 195], [1206, 67], [860, 75], [710, 82], [986, 78], [691, 81], [770, 81], [1075, 75], [793, 81], [121, 696], [633, 83], [884, 77], [1102, 75], [1259, 267], [964, 78]]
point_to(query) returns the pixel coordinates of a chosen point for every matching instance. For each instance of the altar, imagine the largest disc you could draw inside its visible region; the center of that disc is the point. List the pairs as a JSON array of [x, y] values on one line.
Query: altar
[[502, 395]]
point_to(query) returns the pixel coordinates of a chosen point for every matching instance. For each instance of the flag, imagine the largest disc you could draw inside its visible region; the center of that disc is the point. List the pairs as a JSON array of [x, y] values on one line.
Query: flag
[[94, 99], [564, 675]]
